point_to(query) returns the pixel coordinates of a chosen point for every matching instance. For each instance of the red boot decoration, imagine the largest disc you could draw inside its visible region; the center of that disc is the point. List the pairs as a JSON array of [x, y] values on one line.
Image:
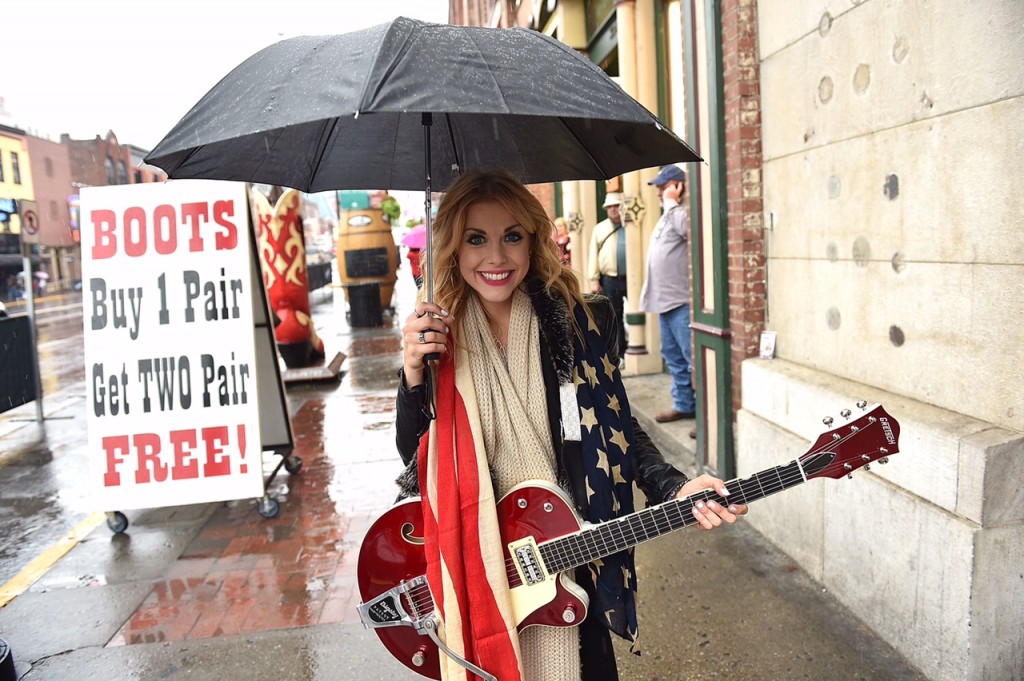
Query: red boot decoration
[[283, 262]]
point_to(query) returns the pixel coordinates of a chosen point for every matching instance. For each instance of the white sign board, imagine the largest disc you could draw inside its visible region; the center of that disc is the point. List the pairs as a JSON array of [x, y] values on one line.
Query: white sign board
[[173, 411]]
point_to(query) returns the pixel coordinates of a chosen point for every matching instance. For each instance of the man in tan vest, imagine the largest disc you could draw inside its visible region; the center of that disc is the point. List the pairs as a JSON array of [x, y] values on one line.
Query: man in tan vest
[[606, 266]]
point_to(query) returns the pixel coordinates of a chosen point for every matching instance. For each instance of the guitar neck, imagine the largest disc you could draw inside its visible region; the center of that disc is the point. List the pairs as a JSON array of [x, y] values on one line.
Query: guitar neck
[[592, 543]]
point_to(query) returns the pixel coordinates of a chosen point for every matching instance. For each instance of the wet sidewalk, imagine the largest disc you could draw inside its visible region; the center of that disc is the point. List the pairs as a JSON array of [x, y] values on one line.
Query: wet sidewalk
[[215, 591]]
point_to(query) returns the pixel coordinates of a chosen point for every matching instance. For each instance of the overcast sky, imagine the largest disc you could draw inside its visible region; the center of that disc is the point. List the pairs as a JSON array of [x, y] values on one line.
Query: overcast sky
[[135, 67]]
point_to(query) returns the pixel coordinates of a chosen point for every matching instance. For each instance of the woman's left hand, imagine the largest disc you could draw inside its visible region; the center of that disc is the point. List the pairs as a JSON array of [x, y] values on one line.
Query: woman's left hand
[[711, 514]]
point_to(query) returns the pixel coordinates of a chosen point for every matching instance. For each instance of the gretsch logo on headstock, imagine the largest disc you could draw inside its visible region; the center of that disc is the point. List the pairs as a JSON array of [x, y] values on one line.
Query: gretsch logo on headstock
[[890, 438]]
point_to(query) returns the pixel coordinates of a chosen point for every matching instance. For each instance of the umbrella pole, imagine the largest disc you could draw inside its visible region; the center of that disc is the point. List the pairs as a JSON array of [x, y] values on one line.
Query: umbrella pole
[[428, 280]]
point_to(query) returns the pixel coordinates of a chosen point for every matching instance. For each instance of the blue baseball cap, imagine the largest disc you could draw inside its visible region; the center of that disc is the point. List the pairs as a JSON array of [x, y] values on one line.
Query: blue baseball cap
[[668, 174]]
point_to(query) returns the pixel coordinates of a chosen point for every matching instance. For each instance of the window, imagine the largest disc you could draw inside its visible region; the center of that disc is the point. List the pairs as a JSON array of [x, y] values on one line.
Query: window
[[110, 171], [138, 177], [48, 166], [1, 166], [15, 168], [122, 173]]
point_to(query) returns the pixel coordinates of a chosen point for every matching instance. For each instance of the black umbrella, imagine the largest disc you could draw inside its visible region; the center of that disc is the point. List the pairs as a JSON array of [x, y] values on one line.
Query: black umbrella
[[347, 111], [355, 111]]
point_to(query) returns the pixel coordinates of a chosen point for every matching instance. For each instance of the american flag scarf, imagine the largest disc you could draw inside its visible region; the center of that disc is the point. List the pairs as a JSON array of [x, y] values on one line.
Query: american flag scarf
[[465, 558], [462, 540]]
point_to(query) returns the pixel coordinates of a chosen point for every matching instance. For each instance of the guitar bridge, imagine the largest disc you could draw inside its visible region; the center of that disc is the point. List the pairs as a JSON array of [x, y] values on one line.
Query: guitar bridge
[[388, 610]]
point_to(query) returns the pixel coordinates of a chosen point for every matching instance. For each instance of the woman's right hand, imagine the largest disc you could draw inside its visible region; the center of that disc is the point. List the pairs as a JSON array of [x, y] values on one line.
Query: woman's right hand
[[425, 332]]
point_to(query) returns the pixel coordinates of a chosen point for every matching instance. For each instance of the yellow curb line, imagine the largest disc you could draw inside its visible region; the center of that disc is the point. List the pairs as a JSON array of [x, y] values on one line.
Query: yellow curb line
[[44, 561]]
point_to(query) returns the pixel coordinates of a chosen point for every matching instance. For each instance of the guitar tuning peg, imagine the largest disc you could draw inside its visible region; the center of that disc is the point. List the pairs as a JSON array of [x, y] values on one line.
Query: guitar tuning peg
[[884, 460], [845, 413], [867, 466], [827, 420], [849, 476], [862, 404]]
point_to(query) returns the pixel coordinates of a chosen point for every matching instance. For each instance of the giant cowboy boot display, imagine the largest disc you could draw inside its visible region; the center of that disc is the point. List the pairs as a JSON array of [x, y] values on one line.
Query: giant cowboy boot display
[[283, 262]]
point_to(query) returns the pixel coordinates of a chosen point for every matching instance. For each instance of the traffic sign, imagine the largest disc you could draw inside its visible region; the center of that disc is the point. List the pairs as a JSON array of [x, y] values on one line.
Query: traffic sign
[[29, 222]]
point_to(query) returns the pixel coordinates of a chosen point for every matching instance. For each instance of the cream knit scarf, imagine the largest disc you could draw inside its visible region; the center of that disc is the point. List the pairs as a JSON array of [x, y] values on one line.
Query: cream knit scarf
[[513, 414]]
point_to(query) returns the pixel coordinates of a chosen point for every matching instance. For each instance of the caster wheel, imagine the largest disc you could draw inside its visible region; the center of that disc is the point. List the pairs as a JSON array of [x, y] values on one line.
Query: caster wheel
[[269, 508], [293, 464], [117, 522]]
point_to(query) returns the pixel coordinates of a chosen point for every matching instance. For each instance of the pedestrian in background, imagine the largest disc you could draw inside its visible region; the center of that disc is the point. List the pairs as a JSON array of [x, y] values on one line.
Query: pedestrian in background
[[606, 267], [516, 335], [561, 237], [414, 255], [666, 289]]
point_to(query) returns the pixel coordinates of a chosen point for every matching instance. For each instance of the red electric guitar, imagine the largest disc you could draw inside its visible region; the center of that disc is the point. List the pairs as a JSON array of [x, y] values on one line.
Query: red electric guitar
[[546, 540]]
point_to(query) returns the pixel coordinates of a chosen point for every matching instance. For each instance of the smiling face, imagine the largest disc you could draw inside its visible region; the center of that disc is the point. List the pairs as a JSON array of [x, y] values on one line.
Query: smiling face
[[494, 256]]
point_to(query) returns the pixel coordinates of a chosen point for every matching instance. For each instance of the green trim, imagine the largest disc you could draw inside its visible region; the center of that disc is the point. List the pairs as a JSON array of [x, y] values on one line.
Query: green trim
[[722, 461], [559, 198], [661, 52], [636, 318]]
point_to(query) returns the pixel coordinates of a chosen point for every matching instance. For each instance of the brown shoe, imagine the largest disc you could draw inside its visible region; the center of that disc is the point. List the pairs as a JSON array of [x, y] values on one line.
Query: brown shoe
[[673, 415], [693, 433]]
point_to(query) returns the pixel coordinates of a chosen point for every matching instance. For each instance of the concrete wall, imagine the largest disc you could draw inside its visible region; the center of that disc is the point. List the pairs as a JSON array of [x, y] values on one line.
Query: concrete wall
[[927, 549], [893, 141]]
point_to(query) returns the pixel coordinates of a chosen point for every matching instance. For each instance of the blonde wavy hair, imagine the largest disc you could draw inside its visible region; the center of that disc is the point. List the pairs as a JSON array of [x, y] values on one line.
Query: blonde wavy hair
[[450, 289]]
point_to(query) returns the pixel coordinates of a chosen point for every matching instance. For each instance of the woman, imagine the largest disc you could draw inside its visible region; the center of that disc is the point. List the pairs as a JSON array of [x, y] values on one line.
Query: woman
[[524, 358]]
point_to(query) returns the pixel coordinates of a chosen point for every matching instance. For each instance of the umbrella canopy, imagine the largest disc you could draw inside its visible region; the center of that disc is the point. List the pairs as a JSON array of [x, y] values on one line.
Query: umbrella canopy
[[416, 238], [348, 111]]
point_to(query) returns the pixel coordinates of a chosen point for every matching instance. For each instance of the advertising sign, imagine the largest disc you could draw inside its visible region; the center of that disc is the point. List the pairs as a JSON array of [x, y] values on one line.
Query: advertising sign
[[171, 367]]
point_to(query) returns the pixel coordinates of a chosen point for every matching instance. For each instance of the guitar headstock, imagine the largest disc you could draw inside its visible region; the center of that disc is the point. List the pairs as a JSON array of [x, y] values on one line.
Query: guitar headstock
[[859, 441]]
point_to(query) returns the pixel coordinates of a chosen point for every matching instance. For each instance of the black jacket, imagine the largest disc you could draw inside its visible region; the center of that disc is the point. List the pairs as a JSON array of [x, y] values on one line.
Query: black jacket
[[657, 479]]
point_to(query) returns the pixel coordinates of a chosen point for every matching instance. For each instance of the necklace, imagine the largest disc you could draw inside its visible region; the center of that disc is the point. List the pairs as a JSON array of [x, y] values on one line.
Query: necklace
[[501, 348]]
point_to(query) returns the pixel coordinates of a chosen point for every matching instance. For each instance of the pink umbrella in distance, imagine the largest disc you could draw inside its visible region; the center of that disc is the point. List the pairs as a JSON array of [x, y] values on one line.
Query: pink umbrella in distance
[[416, 238]]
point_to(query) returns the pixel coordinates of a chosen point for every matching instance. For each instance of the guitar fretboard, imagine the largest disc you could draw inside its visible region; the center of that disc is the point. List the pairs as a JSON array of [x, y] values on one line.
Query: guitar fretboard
[[590, 544]]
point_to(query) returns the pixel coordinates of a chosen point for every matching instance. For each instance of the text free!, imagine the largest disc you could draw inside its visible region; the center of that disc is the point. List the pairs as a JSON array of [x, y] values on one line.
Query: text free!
[[182, 459]]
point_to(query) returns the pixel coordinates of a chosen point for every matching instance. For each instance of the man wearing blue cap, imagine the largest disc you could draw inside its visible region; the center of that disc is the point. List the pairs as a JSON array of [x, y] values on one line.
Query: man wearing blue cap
[[667, 289]]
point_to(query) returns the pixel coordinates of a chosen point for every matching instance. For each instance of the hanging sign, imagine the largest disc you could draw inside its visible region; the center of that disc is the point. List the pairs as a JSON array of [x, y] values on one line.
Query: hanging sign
[[171, 365]]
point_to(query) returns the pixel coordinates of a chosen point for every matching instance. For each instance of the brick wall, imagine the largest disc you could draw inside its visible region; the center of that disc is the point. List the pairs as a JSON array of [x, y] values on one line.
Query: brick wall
[[744, 212]]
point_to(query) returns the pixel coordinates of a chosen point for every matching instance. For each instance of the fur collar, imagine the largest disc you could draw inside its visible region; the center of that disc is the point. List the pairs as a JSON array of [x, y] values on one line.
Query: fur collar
[[553, 315]]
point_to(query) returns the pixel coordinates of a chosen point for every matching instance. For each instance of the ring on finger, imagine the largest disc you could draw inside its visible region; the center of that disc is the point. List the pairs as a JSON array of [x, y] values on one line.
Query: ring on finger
[[423, 339]]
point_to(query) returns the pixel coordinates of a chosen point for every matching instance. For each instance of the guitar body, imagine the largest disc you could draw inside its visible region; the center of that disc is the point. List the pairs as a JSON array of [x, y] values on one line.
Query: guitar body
[[531, 513]]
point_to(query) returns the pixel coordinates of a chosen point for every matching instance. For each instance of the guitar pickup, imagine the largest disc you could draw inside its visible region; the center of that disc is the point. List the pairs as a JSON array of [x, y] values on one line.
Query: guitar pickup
[[527, 563]]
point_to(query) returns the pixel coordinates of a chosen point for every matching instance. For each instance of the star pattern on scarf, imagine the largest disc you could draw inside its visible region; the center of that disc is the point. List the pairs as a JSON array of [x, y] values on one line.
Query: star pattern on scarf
[[605, 436], [609, 368], [619, 438], [613, 404]]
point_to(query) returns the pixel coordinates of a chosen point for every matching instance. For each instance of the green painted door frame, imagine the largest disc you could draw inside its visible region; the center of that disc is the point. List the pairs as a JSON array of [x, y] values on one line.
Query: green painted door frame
[[711, 334]]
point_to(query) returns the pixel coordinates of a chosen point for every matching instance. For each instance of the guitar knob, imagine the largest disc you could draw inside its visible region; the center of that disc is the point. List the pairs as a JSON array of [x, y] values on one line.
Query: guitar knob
[[827, 420], [569, 614], [419, 658], [862, 404], [884, 460], [845, 413]]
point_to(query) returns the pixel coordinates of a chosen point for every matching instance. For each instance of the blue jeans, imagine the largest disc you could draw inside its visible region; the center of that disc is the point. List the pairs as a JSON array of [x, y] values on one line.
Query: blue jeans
[[675, 348]]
